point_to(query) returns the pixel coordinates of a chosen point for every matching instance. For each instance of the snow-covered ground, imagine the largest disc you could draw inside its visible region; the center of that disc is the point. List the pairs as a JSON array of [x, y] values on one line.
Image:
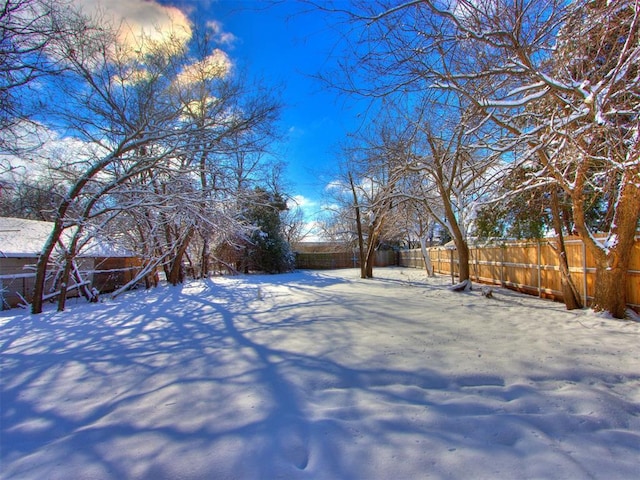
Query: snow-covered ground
[[319, 375]]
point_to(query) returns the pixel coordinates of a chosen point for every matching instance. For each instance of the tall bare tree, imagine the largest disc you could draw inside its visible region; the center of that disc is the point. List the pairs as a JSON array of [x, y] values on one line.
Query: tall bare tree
[[27, 27], [132, 105], [453, 173], [373, 172], [559, 78]]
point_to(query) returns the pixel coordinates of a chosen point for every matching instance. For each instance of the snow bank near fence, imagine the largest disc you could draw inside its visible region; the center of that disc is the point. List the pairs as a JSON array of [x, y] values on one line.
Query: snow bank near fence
[[319, 375]]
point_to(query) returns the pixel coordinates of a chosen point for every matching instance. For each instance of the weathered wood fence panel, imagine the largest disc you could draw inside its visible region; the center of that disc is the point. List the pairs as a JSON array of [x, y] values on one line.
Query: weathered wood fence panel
[[18, 278], [411, 258], [111, 273], [530, 267], [322, 261], [386, 258], [106, 274], [319, 261]]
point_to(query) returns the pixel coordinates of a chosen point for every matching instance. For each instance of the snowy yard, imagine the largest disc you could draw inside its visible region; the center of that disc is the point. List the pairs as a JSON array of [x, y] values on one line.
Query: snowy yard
[[319, 375]]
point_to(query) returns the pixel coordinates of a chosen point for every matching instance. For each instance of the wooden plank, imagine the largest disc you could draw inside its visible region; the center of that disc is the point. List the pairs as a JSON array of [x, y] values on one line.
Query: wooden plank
[[528, 267]]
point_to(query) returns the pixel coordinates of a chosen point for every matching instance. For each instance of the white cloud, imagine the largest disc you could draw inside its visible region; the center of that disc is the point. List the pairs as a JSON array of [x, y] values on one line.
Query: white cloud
[[310, 211], [314, 232], [47, 156], [145, 24], [219, 35], [216, 65], [142, 19], [331, 207], [308, 206], [337, 188], [295, 132], [302, 202], [335, 185]]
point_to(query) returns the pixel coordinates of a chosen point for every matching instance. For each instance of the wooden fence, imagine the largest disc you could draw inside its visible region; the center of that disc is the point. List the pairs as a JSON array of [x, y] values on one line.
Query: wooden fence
[[319, 261], [106, 274], [530, 267]]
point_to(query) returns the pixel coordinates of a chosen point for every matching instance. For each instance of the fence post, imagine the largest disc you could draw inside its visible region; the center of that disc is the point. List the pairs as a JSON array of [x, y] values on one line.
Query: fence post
[[539, 255], [453, 278], [584, 273], [502, 249], [477, 249]]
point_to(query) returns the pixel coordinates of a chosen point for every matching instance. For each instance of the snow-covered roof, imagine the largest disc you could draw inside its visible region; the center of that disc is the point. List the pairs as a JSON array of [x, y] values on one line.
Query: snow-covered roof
[[25, 238], [22, 238]]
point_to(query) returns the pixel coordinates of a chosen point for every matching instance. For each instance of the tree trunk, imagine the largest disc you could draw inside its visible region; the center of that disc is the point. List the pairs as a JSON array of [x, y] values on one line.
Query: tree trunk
[[361, 254], [204, 258], [176, 274], [463, 259], [456, 232], [41, 267], [169, 241], [425, 255], [613, 254], [64, 282], [569, 291], [612, 260], [461, 246], [610, 292], [371, 254]]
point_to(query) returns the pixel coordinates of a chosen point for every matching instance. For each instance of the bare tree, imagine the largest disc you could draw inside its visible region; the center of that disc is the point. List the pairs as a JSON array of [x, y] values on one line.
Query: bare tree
[[233, 123], [27, 27], [453, 174], [115, 103], [591, 141], [159, 130], [295, 228], [372, 171], [418, 224], [158, 127], [560, 80]]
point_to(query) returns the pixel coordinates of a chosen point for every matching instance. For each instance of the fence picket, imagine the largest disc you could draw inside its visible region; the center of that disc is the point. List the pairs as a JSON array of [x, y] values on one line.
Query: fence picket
[[514, 267]]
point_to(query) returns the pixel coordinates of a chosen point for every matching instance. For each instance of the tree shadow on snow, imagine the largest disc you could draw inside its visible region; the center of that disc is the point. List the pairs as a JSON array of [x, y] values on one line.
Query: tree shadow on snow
[[200, 382]]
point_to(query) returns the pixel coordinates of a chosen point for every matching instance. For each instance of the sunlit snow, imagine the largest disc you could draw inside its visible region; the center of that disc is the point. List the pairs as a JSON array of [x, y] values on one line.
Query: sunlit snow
[[319, 375]]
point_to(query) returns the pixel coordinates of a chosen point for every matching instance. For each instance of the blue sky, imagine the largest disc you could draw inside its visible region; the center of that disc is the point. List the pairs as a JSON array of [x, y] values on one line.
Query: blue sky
[[285, 43]]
